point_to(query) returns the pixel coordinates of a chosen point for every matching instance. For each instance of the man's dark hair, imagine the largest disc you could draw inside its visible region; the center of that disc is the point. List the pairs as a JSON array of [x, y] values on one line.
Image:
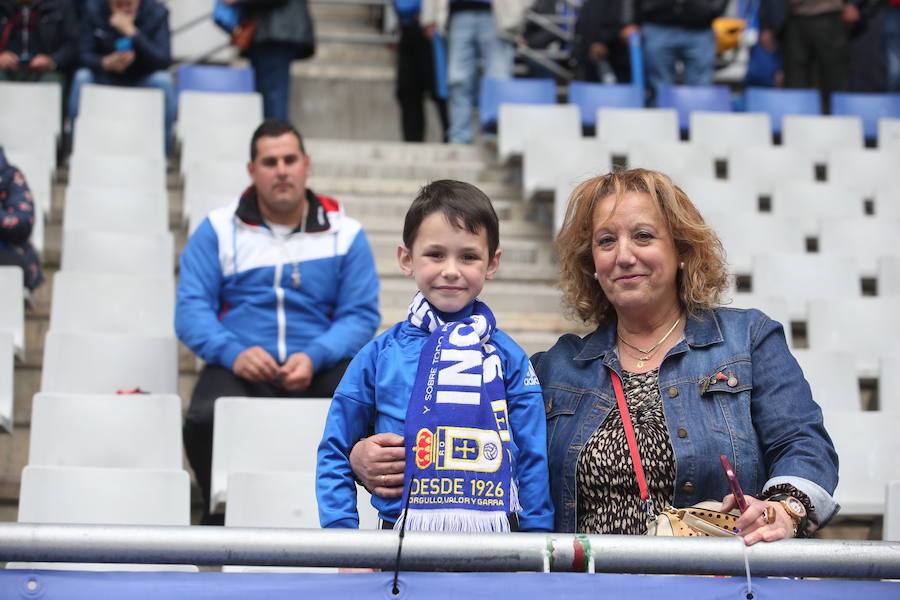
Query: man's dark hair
[[273, 128], [463, 204]]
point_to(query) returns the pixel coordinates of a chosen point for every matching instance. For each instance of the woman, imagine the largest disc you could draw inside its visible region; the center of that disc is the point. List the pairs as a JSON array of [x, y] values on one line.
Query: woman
[[637, 259]]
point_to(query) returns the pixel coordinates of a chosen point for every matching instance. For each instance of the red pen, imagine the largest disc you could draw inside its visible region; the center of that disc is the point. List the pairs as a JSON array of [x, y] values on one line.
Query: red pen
[[733, 483]]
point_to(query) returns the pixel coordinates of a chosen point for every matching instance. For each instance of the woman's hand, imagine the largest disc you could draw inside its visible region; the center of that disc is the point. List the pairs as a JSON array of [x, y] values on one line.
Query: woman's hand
[[378, 461], [753, 524]]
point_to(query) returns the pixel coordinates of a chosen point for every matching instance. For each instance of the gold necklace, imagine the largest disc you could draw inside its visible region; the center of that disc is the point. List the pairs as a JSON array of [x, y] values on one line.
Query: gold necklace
[[648, 354]]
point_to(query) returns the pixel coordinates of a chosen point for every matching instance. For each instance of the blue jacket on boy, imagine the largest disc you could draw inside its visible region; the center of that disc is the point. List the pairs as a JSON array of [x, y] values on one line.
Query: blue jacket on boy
[[373, 397]]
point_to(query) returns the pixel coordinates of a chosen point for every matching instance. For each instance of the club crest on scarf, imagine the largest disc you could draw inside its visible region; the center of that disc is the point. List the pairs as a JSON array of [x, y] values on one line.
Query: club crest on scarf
[[459, 475]]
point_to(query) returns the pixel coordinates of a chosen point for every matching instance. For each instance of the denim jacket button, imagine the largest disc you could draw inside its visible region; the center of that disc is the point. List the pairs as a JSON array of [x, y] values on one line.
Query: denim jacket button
[[688, 487], [548, 406], [673, 392], [732, 381], [682, 432]]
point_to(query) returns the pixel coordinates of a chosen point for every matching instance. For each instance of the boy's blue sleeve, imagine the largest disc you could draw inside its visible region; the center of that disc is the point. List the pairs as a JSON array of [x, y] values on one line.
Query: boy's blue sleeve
[[529, 432], [350, 417]]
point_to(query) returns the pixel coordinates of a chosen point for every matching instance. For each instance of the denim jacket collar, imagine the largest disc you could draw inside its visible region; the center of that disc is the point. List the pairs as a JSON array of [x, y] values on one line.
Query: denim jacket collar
[[699, 331]]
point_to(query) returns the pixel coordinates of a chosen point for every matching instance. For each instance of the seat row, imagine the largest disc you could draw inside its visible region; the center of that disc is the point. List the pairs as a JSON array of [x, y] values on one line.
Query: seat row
[[122, 465], [588, 98]]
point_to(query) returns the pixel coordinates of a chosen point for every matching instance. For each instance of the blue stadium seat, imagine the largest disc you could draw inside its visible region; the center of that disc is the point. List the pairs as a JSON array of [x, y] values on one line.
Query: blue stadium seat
[[208, 78], [779, 102], [869, 107], [688, 98], [591, 96], [495, 92]]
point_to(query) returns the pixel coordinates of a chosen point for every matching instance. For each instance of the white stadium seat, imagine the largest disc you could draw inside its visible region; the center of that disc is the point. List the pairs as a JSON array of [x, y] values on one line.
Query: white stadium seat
[[141, 107], [889, 134], [818, 135], [106, 430], [724, 132], [101, 136], [128, 174], [199, 110], [892, 512], [807, 202], [868, 445], [832, 378], [7, 394], [517, 122], [619, 128], [113, 303], [863, 327], [889, 383], [742, 236], [12, 306], [712, 196], [865, 170], [889, 276], [88, 363], [34, 102], [763, 167], [548, 158], [113, 252], [675, 159], [800, 278], [866, 239], [264, 434], [116, 210]]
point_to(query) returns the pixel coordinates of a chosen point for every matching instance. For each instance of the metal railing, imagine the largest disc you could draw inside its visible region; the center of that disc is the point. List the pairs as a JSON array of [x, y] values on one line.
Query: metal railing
[[24, 542]]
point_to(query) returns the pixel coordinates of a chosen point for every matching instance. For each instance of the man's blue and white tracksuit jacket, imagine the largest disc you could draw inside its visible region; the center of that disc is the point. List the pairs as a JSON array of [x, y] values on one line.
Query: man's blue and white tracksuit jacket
[[241, 285]]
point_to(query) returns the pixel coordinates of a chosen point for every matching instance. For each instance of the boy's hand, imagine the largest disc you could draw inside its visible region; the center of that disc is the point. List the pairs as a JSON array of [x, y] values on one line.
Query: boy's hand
[[9, 61], [378, 461]]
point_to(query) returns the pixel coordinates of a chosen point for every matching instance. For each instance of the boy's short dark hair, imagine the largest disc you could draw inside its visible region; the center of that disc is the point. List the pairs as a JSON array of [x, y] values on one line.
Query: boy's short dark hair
[[464, 205], [273, 128]]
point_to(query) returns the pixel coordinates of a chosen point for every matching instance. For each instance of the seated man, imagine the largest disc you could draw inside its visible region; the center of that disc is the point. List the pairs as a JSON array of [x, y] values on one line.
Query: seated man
[[16, 220], [126, 42], [38, 41], [277, 292]]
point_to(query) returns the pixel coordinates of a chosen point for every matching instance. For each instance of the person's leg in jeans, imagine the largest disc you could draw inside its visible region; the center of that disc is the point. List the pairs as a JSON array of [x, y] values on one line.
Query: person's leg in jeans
[[272, 65], [163, 80], [698, 51], [891, 36], [659, 53], [462, 73], [82, 77], [214, 381], [497, 52]]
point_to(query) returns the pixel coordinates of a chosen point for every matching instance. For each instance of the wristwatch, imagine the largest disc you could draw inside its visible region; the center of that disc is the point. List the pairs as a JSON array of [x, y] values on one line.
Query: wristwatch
[[794, 508]]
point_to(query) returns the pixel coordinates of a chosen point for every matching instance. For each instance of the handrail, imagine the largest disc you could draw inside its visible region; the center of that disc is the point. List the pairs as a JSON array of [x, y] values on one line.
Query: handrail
[[446, 551]]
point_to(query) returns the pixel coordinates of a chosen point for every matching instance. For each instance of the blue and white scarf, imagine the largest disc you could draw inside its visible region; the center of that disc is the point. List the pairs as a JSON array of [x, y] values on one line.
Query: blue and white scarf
[[459, 472]]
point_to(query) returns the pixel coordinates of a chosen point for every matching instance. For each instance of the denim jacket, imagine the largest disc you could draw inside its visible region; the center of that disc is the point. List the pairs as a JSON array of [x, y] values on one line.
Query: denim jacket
[[762, 415]]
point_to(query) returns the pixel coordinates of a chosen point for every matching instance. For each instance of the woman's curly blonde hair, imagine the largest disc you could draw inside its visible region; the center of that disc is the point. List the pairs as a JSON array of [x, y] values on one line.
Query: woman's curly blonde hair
[[700, 282]]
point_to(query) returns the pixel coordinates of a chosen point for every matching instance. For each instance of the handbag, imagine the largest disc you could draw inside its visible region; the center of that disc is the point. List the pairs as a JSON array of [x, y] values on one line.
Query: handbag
[[698, 520]]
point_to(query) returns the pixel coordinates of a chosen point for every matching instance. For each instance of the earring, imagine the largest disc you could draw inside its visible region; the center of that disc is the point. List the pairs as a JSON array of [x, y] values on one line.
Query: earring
[[681, 265], [595, 276]]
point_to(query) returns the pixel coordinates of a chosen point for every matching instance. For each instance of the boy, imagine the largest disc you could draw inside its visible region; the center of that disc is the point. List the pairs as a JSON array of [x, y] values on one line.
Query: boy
[[460, 391]]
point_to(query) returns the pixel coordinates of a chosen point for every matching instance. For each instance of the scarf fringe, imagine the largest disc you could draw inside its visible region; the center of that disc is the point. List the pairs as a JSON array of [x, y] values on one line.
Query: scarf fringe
[[454, 519]]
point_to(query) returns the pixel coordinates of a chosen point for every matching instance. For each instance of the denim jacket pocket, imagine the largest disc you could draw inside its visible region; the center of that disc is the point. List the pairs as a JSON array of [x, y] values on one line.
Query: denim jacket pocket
[[559, 402], [726, 393]]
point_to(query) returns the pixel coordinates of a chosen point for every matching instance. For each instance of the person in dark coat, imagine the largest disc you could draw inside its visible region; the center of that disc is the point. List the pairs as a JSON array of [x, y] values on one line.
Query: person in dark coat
[[38, 40], [126, 43], [597, 39], [16, 221], [284, 32]]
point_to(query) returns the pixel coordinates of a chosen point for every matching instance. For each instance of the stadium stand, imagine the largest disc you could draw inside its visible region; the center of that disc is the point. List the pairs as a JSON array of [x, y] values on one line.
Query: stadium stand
[[34, 102], [864, 170], [856, 326], [96, 136], [741, 235], [201, 110], [889, 276], [518, 122], [889, 384], [719, 195], [864, 238], [100, 208], [889, 134], [134, 173], [892, 512], [550, 158]]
